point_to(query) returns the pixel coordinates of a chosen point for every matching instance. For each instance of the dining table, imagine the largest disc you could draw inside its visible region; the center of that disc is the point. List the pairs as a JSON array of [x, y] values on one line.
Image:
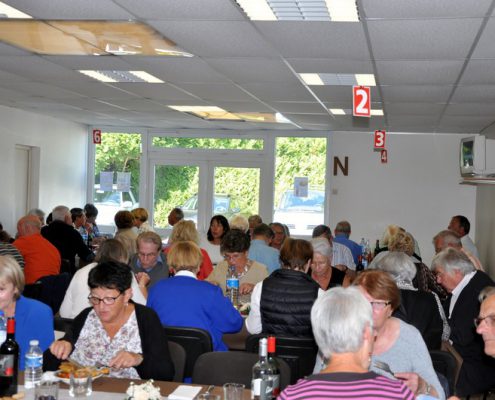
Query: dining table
[[108, 388]]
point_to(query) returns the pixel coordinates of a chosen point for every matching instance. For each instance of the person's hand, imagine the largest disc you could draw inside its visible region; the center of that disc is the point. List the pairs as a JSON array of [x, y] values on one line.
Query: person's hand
[[61, 349], [246, 288], [125, 359], [410, 379], [143, 279]]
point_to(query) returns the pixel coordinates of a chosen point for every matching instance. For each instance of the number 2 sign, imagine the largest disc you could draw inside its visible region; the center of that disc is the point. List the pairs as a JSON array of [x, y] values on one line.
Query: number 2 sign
[[361, 101]]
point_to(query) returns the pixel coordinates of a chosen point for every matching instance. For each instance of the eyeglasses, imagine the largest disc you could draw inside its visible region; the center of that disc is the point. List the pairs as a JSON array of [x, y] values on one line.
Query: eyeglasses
[[379, 305], [106, 300], [489, 320], [233, 256]]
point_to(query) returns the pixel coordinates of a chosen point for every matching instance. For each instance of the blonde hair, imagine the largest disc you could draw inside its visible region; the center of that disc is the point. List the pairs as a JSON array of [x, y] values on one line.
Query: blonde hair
[[403, 242], [10, 271], [390, 231], [183, 231], [239, 222], [185, 256], [140, 214]]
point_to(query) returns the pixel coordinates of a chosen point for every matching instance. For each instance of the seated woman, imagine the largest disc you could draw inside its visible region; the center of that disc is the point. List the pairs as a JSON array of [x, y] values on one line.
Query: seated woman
[[183, 300], [421, 309], [33, 319], [76, 296], [124, 222], [219, 226], [115, 332], [321, 266], [281, 304], [184, 231], [235, 247], [398, 345], [343, 328], [140, 216]]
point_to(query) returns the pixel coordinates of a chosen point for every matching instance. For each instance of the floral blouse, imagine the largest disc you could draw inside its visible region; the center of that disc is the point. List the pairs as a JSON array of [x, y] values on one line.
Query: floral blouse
[[95, 346]]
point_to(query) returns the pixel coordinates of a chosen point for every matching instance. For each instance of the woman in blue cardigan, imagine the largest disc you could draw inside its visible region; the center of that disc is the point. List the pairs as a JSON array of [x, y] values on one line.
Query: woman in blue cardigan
[[33, 319]]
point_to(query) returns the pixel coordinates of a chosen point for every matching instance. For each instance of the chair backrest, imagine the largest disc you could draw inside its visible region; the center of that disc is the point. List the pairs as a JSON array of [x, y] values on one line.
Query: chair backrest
[[220, 367], [298, 353], [178, 356], [446, 364], [62, 324], [195, 342]]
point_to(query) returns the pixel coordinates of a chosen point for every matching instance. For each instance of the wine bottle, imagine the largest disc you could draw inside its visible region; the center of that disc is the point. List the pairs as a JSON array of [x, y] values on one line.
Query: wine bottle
[[274, 366], [9, 361], [261, 383], [360, 266]]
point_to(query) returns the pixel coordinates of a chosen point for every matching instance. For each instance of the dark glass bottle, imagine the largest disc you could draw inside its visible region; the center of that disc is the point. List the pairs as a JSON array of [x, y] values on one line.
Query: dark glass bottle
[[377, 247], [9, 361], [360, 266]]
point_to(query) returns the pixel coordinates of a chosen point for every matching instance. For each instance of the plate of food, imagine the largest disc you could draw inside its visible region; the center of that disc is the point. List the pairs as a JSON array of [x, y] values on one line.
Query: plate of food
[[79, 372]]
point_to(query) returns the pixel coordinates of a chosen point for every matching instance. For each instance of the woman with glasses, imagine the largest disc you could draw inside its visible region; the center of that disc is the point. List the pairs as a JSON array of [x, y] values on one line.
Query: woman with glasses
[[235, 248], [321, 266], [399, 350], [116, 332], [281, 304]]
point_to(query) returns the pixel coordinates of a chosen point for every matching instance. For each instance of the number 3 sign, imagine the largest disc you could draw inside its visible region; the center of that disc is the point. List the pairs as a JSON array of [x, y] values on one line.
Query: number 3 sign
[[379, 140], [361, 101]]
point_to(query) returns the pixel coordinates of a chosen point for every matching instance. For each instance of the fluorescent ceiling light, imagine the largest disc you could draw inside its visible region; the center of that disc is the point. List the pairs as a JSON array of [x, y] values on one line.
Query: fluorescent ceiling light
[[337, 111], [71, 37], [216, 113], [11, 12], [376, 112], [365, 79], [338, 79], [341, 111], [300, 10], [122, 76]]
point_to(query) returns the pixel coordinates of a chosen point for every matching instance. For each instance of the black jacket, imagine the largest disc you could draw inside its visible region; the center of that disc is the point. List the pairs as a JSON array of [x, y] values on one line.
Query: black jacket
[[286, 300]]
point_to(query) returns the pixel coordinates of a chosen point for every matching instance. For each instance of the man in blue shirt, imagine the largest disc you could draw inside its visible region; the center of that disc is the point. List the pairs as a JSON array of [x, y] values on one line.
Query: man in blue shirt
[[149, 264], [260, 249], [342, 233]]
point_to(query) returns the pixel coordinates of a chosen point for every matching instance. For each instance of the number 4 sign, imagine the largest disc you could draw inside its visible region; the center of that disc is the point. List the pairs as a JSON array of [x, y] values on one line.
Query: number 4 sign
[[361, 101], [379, 140]]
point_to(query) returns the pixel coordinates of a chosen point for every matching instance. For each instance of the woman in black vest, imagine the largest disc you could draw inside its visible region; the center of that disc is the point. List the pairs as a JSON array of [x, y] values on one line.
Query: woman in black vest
[[281, 304]]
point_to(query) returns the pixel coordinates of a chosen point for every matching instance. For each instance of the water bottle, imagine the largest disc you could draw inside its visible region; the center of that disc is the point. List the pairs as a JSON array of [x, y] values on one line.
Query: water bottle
[[3, 327], [34, 365], [232, 286]]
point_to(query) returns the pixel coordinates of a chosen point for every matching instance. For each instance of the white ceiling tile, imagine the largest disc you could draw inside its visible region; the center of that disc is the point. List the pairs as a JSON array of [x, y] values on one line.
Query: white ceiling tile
[[471, 109], [243, 106], [426, 39], [215, 38], [216, 91], [416, 93], [466, 124], [191, 9], [298, 107], [330, 65], [484, 47], [420, 72], [37, 89], [73, 9], [155, 91], [277, 92], [37, 68], [474, 94], [97, 90], [316, 39], [396, 108], [113, 63], [341, 94], [254, 70], [479, 72], [424, 8]]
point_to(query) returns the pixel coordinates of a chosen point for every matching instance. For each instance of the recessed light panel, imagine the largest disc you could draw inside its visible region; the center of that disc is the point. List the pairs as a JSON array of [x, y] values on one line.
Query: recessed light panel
[[338, 79], [121, 76]]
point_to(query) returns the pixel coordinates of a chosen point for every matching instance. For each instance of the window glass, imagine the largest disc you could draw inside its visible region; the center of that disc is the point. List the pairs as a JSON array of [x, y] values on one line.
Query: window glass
[[208, 143]]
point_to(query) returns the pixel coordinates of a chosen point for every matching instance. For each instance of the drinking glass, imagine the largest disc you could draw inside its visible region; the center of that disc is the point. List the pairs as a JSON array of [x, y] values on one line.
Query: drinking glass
[[46, 390], [233, 391], [80, 386]]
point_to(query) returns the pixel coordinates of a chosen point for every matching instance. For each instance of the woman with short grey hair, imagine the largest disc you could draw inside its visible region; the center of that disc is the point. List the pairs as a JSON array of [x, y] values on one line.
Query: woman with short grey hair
[[322, 270], [418, 308], [342, 321]]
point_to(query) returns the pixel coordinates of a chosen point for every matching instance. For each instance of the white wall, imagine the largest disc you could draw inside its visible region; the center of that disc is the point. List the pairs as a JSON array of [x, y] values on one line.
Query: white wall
[[418, 189], [63, 160]]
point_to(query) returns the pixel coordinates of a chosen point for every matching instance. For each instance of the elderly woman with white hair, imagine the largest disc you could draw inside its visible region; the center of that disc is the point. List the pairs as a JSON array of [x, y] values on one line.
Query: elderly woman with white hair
[[421, 309], [343, 329], [322, 270]]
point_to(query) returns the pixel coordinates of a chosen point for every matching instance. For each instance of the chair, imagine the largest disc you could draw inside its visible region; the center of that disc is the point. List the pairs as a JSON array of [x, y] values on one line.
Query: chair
[[298, 353], [62, 324], [445, 363], [195, 342], [217, 368], [178, 356]]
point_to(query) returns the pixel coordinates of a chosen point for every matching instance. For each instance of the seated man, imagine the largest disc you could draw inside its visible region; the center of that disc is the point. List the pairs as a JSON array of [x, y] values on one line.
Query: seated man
[[66, 239], [342, 234], [457, 275], [41, 257], [149, 264], [260, 249]]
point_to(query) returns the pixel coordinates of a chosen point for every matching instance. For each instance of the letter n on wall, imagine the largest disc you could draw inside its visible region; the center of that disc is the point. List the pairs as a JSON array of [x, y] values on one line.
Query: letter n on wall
[[337, 164]]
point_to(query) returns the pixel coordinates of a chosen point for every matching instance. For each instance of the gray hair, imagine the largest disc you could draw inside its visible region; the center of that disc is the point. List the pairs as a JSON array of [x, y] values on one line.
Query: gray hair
[[339, 318], [38, 212], [452, 259], [343, 227], [449, 239], [59, 213], [485, 293], [322, 245], [396, 263], [239, 222]]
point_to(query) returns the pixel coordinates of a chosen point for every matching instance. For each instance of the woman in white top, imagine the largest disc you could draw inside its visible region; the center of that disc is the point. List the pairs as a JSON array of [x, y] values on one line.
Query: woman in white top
[[76, 297], [141, 216], [219, 226]]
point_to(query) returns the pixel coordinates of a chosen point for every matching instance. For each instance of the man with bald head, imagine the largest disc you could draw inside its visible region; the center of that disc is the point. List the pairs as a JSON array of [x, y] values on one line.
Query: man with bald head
[[40, 256]]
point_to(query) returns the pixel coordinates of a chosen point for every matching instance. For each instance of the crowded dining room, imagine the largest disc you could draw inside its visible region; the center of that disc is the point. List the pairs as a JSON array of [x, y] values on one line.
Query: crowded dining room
[[247, 199]]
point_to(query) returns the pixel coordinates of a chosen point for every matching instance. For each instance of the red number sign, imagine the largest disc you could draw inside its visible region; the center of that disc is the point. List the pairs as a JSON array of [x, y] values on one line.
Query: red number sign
[[96, 136], [361, 101], [383, 156], [379, 140]]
